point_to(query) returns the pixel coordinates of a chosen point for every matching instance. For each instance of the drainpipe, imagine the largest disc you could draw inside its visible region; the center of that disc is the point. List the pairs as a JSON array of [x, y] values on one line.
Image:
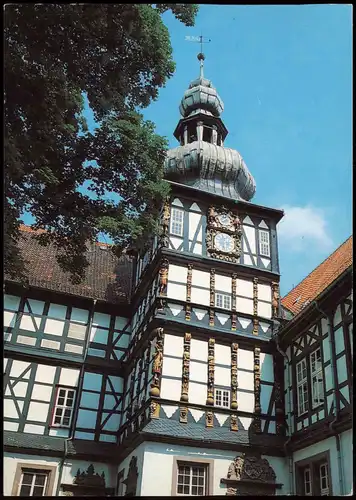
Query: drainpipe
[[289, 455], [332, 423], [76, 409]]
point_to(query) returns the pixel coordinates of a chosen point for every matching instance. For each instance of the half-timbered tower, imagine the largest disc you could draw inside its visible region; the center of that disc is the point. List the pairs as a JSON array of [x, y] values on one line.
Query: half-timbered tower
[[317, 346], [164, 373]]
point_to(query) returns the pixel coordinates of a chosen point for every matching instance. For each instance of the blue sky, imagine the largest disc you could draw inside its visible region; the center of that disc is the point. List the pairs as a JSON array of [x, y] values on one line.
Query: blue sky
[[285, 76]]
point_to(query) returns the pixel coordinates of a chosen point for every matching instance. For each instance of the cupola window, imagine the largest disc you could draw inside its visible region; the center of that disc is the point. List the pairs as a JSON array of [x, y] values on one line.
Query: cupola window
[[192, 132], [207, 134]]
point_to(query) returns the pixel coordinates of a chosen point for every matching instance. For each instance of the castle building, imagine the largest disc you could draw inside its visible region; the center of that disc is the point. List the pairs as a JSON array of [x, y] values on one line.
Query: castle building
[[180, 371]]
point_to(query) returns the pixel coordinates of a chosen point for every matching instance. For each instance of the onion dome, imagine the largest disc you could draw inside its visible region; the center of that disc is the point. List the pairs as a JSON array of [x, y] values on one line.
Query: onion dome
[[201, 161]]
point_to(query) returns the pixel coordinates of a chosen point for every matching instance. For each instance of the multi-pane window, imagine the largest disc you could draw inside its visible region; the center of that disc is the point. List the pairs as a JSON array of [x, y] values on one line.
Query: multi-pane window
[[316, 372], [192, 479], [264, 243], [307, 482], [313, 477], [302, 386], [63, 408], [324, 480], [223, 300], [222, 398], [177, 221], [33, 483]]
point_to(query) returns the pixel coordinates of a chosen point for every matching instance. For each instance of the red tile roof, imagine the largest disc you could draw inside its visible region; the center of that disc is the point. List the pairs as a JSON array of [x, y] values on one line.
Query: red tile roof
[[319, 279], [107, 277]]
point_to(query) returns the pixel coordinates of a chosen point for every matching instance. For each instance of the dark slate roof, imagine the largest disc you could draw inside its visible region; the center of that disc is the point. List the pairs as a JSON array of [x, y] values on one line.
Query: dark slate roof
[[107, 278], [172, 428]]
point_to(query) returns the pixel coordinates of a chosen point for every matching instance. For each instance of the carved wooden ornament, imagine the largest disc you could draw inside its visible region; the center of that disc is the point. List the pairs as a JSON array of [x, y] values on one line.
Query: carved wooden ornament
[[251, 476], [157, 364], [255, 306], [234, 384], [188, 308], [257, 380], [212, 297], [275, 299], [163, 278], [211, 372], [233, 305], [220, 219], [185, 368], [89, 478]]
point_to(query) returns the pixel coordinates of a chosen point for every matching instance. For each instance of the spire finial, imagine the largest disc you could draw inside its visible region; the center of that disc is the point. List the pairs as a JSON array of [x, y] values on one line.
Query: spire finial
[[201, 56]]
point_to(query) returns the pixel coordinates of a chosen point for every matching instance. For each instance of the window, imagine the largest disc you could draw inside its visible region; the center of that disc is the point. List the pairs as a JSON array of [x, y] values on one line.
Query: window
[[222, 398], [191, 479], [317, 384], [177, 221], [223, 300], [63, 409], [33, 480], [313, 476], [264, 243], [302, 387]]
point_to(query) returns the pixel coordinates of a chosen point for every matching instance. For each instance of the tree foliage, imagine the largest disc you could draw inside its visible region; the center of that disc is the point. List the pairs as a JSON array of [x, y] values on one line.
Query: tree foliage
[[119, 55]]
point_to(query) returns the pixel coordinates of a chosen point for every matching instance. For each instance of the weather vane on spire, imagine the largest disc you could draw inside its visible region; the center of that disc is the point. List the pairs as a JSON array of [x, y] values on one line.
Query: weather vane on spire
[[201, 56]]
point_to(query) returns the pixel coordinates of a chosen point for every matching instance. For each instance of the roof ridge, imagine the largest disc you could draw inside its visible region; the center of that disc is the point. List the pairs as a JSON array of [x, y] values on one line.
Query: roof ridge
[[317, 267]]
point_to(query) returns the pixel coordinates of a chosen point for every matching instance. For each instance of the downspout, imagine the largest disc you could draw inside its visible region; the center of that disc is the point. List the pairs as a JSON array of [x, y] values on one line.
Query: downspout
[[289, 455], [76, 409], [333, 422]]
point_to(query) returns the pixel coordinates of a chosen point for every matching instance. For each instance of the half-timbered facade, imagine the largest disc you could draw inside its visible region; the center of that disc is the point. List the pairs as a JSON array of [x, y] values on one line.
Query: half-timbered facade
[[163, 373]]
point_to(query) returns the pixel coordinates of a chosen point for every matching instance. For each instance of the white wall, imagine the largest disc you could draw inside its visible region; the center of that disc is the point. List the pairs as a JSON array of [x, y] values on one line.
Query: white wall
[[10, 464], [346, 439], [158, 467], [139, 453]]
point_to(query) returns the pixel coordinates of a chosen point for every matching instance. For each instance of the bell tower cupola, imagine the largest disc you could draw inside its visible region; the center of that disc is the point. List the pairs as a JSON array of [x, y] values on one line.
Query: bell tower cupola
[[201, 160]]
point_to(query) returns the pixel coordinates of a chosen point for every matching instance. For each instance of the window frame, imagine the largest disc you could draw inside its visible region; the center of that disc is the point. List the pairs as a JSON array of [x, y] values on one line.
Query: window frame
[[173, 222], [319, 375], [183, 460], [264, 244], [224, 296], [64, 407], [222, 390], [313, 464], [22, 467], [302, 383]]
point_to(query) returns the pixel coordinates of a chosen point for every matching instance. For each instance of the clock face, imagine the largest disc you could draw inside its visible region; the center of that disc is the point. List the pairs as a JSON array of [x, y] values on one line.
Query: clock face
[[224, 219], [224, 242]]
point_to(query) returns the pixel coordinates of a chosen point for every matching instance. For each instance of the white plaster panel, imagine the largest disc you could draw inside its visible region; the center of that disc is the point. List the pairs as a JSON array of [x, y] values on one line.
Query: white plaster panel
[[196, 414], [37, 306], [222, 318], [198, 372], [195, 207], [200, 278], [86, 419], [197, 393], [30, 323], [266, 391], [222, 376], [34, 429], [113, 422], [58, 432], [341, 369], [223, 354], [339, 340], [176, 202], [347, 455], [169, 410], [177, 273], [76, 331], [266, 364], [245, 380], [244, 305], [171, 389], [92, 381], [101, 319], [245, 359], [90, 400], [7, 337], [175, 308], [80, 315], [199, 350], [9, 319], [172, 367], [45, 373], [247, 260], [264, 292], [176, 241], [22, 339], [346, 393], [10, 426], [324, 326], [246, 422], [245, 401], [223, 283], [10, 410], [123, 340], [251, 237], [11, 302], [19, 390], [337, 316], [173, 345], [326, 349], [57, 311], [42, 392], [50, 344], [221, 417], [194, 220], [18, 367], [264, 310], [69, 377], [178, 292], [107, 438], [54, 327], [99, 335], [110, 403], [84, 435], [120, 323], [200, 296], [117, 383], [197, 248], [38, 411], [244, 287]]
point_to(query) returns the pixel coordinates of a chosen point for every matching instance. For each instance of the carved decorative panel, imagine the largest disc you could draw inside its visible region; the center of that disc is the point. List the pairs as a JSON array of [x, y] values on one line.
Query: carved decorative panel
[[234, 384], [157, 364], [255, 306], [163, 278], [233, 304], [211, 372], [212, 297], [223, 236], [257, 388], [188, 308], [183, 415], [185, 370], [275, 299], [279, 404], [132, 477], [164, 241]]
